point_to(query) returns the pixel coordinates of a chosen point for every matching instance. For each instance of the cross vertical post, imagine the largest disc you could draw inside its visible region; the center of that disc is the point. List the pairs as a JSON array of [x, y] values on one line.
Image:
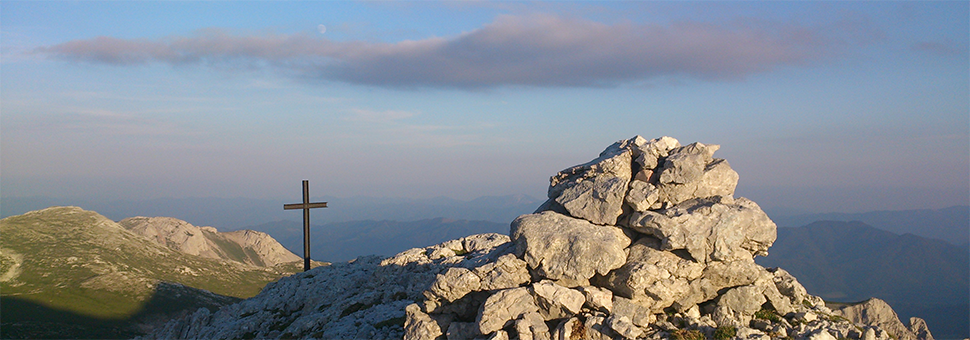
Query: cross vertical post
[[306, 206]]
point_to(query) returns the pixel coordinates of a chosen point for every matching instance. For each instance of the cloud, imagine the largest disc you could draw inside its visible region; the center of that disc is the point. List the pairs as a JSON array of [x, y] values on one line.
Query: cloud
[[540, 50]]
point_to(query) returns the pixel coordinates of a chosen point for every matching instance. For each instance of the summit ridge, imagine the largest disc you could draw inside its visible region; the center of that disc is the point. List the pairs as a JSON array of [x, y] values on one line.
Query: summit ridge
[[646, 241]]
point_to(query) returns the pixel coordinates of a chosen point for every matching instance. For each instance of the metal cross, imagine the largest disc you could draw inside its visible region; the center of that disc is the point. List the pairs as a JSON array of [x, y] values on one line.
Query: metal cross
[[306, 206]]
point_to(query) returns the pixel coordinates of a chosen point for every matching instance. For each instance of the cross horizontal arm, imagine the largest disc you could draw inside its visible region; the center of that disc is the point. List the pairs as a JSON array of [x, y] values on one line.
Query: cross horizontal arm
[[292, 206]]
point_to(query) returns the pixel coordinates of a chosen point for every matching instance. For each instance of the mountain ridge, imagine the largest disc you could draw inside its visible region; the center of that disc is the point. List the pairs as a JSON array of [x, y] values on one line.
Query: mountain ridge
[[245, 246], [78, 261]]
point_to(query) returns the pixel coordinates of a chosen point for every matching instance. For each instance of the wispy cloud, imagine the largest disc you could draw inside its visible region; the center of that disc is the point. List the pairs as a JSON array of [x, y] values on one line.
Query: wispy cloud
[[541, 50]]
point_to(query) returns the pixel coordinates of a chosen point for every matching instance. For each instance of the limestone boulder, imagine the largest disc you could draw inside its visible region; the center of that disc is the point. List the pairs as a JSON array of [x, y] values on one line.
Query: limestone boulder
[[503, 308], [421, 326], [568, 250], [878, 313], [555, 301], [453, 284], [779, 302], [920, 329], [638, 314], [651, 154], [508, 271], [594, 191], [531, 326], [652, 277], [717, 276], [597, 298], [691, 171], [788, 286], [643, 196], [736, 306], [623, 327], [710, 229]]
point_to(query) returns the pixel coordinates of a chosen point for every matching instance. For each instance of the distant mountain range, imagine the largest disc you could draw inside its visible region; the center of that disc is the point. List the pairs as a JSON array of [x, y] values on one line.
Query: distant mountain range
[[948, 224], [239, 213], [340, 242], [72, 273], [852, 261]]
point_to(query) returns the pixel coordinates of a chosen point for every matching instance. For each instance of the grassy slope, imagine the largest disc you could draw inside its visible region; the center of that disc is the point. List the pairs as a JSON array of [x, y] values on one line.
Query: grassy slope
[[80, 262]]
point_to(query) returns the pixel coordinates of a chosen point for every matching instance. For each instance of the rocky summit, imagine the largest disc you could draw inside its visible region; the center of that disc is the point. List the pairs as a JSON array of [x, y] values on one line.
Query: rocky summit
[[646, 241]]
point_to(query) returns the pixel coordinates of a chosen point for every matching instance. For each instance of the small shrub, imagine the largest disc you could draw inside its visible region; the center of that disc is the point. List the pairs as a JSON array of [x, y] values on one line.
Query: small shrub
[[836, 318], [687, 334], [767, 314], [725, 332]]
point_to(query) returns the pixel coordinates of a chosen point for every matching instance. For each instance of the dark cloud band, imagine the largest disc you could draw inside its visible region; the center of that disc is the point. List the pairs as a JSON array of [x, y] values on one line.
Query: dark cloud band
[[535, 50]]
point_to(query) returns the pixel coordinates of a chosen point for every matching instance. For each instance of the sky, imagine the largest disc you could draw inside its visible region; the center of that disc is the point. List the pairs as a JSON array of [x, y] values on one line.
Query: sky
[[819, 106]]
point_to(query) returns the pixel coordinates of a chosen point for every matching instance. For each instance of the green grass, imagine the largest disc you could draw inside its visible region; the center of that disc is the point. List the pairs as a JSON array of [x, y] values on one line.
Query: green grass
[[768, 314], [79, 262], [725, 332], [687, 334]]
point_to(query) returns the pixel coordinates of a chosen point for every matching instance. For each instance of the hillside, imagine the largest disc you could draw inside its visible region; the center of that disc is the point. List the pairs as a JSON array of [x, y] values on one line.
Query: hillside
[[67, 261], [245, 246], [852, 261]]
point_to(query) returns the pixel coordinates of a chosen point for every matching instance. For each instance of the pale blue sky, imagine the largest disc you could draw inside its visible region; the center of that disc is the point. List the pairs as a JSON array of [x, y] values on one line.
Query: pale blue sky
[[825, 106]]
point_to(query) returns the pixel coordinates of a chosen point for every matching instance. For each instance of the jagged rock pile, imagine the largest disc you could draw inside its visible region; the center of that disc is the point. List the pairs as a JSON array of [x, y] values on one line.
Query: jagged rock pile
[[645, 241]]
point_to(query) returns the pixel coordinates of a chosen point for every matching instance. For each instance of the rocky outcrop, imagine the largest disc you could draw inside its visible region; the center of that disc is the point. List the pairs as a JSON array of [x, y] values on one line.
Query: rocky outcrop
[[645, 241], [878, 313], [246, 246]]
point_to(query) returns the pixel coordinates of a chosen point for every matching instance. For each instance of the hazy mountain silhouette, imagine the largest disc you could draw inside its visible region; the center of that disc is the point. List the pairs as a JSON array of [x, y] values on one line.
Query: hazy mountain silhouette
[[948, 224], [852, 261], [339, 242], [237, 213]]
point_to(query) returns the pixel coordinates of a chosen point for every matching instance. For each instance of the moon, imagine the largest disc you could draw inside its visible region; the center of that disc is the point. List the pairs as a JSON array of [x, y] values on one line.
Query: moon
[[322, 29]]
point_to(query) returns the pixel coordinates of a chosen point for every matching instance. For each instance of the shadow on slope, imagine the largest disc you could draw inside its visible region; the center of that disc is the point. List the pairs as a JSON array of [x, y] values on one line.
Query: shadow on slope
[[22, 318]]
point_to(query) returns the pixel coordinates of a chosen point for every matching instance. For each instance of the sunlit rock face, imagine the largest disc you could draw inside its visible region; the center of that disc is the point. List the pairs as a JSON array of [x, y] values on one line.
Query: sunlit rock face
[[644, 241], [245, 246]]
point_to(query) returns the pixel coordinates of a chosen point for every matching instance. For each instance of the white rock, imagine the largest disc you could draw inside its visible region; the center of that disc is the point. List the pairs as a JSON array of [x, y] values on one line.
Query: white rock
[[420, 326], [503, 307], [508, 271], [531, 326], [454, 284], [653, 278], [638, 314], [821, 334], [624, 327], [736, 306], [730, 229], [595, 191], [597, 298], [560, 247], [555, 301], [877, 312]]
